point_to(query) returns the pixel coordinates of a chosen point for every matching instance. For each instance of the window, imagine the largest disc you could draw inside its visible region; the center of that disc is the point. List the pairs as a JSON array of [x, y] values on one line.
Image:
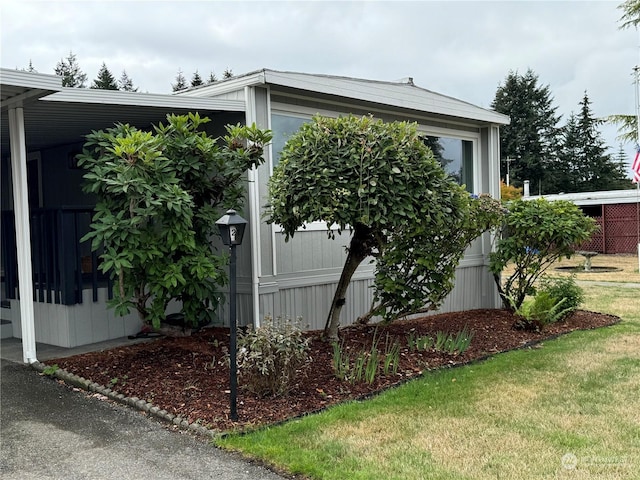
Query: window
[[282, 127], [455, 156]]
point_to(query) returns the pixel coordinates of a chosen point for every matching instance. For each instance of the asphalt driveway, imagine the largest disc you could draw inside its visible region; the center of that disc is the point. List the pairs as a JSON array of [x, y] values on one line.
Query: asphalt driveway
[[49, 431]]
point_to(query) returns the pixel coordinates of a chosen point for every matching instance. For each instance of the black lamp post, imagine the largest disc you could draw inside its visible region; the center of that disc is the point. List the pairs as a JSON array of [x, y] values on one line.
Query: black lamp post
[[232, 226]]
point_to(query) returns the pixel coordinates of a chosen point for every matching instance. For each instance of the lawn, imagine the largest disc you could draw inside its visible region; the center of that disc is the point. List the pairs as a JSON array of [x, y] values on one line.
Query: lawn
[[565, 409]]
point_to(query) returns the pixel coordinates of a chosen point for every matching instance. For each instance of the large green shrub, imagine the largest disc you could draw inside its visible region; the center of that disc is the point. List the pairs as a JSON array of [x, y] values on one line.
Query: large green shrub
[[535, 234], [381, 183], [159, 194]]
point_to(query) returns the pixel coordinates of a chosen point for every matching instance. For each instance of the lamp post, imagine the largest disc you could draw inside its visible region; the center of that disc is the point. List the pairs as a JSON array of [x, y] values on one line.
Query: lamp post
[[232, 226]]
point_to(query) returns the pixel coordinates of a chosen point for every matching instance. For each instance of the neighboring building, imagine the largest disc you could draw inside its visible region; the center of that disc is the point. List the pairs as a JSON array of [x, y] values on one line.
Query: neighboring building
[[47, 124], [617, 213]]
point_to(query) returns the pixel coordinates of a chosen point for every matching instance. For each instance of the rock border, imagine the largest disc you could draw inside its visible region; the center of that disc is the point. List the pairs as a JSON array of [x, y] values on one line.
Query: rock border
[[138, 404]]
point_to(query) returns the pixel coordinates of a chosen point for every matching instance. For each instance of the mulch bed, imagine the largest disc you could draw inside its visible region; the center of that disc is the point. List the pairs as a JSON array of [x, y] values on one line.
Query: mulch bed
[[184, 375]]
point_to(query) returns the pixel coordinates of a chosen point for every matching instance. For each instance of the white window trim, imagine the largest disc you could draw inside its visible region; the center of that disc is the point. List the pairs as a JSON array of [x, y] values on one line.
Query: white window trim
[[474, 138], [297, 111]]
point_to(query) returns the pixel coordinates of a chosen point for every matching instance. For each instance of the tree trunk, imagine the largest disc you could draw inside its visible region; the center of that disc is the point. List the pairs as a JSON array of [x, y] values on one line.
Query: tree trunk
[[360, 248]]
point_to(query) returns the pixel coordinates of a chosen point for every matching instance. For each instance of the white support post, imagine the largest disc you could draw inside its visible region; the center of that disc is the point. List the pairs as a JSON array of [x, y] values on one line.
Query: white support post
[[254, 214], [23, 231]]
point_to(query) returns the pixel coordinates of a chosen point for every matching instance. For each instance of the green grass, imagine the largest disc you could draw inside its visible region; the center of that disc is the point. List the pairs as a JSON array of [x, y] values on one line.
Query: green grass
[[518, 415]]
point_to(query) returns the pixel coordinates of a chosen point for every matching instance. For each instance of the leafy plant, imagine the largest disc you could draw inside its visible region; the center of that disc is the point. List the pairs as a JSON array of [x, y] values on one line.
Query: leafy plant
[[159, 194], [379, 181], [366, 364], [541, 310], [269, 356], [453, 344], [122, 381], [391, 359], [340, 361], [536, 233], [50, 370], [564, 288]]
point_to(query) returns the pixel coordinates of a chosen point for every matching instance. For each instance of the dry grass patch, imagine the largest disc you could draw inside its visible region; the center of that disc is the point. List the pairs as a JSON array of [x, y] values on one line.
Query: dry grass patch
[[626, 263]]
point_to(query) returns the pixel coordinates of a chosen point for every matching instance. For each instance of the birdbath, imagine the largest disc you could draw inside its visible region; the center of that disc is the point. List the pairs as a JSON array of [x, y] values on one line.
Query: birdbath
[[588, 256]]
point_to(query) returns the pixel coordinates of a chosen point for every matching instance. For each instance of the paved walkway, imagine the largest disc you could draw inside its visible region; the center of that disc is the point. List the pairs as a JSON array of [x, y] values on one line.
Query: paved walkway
[[52, 432]]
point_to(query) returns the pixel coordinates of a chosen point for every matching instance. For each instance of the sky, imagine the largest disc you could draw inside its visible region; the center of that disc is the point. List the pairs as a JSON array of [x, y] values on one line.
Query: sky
[[463, 49]]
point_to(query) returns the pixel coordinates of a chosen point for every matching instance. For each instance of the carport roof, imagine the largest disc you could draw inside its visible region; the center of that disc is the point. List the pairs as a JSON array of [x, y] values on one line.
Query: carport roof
[[55, 115]]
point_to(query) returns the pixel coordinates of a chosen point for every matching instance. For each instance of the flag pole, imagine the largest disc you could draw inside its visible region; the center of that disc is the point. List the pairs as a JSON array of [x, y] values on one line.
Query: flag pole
[[636, 71]]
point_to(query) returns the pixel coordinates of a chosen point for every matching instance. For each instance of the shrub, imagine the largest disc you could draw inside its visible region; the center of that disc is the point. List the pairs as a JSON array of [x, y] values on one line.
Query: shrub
[[563, 289], [541, 310], [270, 356], [535, 235]]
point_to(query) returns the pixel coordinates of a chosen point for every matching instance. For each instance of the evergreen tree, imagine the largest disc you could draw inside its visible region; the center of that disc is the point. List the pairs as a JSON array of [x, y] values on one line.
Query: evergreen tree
[[125, 83], [631, 13], [212, 78], [227, 73], [30, 67], [531, 139], [69, 70], [584, 154], [105, 80], [196, 80], [181, 82], [566, 169]]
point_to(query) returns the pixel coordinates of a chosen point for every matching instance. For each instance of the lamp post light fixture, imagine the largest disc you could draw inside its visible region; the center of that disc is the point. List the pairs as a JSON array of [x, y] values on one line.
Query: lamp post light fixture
[[232, 226]]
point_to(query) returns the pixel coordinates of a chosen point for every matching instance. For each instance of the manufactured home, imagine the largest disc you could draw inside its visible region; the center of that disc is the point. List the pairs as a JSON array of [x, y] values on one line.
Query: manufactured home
[[52, 290]]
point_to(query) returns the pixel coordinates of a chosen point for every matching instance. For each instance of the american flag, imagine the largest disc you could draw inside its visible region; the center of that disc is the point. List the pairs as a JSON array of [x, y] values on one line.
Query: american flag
[[635, 166]]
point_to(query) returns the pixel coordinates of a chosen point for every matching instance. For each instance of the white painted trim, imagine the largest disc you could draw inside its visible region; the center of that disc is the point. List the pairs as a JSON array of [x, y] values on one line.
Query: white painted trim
[[274, 227], [254, 213], [23, 231], [116, 97]]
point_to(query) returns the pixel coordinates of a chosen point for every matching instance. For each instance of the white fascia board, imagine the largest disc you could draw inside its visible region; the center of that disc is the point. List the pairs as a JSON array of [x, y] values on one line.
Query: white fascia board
[[225, 86], [19, 87], [594, 198], [116, 97], [389, 93], [41, 81]]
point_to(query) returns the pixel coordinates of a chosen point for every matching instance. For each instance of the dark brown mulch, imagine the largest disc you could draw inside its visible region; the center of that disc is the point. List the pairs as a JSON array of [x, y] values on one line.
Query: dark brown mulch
[[184, 375]]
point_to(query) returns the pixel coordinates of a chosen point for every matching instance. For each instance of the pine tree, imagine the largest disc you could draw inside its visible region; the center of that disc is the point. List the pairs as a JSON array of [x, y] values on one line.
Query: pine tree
[[531, 139], [125, 83], [584, 151], [105, 80], [30, 67], [196, 80], [69, 70], [227, 73], [212, 78], [181, 82]]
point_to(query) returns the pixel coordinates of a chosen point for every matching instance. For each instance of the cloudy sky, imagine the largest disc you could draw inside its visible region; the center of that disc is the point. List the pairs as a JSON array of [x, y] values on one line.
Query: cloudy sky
[[461, 49]]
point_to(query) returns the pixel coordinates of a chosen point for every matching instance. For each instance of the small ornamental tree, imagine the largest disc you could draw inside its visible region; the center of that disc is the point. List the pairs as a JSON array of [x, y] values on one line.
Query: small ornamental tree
[[159, 195], [536, 233], [380, 182]]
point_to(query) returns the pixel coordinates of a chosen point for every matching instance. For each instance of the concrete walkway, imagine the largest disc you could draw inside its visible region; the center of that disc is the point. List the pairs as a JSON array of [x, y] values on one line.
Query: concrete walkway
[[49, 431]]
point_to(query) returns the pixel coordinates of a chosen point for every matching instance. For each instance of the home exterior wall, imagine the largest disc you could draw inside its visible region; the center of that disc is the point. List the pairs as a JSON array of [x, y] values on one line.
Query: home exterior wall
[[298, 278], [74, 325]]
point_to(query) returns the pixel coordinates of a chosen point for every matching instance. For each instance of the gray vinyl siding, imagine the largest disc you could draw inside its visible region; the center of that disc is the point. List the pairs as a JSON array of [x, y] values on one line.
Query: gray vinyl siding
[[310, 250], [298, 278], [312, 303]]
